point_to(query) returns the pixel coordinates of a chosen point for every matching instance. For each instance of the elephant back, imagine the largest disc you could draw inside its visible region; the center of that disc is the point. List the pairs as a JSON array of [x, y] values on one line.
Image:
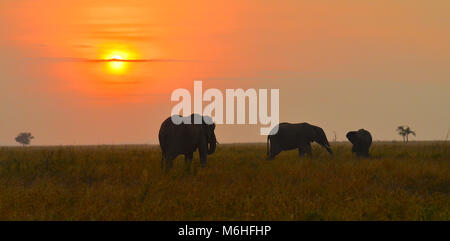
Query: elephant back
[[366, 135]]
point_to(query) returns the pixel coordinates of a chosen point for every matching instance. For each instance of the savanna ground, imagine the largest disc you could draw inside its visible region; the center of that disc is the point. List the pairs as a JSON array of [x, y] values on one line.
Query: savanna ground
[[400, 182]]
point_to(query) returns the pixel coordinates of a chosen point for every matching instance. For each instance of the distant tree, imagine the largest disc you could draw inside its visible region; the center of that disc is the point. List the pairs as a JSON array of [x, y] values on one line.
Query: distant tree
[[24, 138], [405, 131]]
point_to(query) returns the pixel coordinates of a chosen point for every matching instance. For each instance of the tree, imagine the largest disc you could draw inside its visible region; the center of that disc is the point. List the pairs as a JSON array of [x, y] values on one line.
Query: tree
[[24, 138], [404, 131]]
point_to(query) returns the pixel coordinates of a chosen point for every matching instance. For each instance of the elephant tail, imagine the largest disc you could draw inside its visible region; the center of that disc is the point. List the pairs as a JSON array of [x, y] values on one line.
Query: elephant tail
[[162, 143], [268, 145]]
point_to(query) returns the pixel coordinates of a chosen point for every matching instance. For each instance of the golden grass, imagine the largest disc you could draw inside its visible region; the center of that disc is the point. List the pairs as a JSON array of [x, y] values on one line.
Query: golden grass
[[400, 182]]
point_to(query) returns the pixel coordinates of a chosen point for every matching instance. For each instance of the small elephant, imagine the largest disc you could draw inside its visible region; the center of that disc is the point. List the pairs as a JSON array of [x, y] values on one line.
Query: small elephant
[[361, 140], [292, 136], [185, 137]]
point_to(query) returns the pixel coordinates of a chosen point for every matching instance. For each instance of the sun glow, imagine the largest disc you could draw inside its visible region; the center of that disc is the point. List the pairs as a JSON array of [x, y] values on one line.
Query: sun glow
[[116, 63]]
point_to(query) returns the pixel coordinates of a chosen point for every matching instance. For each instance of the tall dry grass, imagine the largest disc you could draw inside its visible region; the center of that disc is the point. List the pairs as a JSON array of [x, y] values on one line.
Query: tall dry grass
[[400, 182]]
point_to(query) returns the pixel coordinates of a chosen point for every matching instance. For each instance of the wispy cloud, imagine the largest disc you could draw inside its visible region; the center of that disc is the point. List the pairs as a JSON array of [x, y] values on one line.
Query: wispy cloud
[[122, 82], [121, 35], [83, 46], [68, 59]]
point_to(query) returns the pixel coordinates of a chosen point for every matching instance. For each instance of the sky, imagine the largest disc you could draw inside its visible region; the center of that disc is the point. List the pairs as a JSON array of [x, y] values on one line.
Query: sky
[[341, 65]]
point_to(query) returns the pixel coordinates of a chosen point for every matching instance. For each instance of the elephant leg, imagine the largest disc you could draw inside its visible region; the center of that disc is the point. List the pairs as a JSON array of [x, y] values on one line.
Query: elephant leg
[[359, 153], [304, 149], [164, 157], [188, 159], [308, 149], [169, 164], [357, 150], [366, 152], [169, 161], [203, 159]]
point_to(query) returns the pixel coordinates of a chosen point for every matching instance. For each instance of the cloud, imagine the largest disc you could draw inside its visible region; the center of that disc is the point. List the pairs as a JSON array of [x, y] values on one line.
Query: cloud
[[40, 45], [121, 35], [122, 82], [83, 46], [69, 59]]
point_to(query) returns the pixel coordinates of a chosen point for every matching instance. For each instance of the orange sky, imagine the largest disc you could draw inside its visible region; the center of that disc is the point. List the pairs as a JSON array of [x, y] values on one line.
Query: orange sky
[[342, 65]]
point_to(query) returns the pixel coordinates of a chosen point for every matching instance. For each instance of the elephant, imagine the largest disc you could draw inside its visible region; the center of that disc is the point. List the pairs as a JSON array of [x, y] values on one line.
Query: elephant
[[361, 141], [185, 138], [291, 136]]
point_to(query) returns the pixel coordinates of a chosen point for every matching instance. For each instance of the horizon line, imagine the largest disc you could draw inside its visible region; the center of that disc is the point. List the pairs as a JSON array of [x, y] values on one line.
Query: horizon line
[[222, 143]]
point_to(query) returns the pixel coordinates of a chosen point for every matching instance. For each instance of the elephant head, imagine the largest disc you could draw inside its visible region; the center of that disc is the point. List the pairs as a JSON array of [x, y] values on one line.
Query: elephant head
[[318, 135], [209, 127]]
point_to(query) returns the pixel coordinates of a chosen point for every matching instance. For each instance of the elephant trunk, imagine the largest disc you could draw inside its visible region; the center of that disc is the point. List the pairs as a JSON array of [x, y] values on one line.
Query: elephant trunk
[[212, 144], [325, 144], [329, 149]]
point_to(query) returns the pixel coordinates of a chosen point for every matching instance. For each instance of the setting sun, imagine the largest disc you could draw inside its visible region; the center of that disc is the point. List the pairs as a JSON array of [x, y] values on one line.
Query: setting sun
[[116, 57], [116, 63]]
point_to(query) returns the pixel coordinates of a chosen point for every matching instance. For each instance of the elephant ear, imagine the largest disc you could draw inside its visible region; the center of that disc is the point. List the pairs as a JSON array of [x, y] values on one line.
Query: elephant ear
[[208, 125], [314, 134], [352, 136]]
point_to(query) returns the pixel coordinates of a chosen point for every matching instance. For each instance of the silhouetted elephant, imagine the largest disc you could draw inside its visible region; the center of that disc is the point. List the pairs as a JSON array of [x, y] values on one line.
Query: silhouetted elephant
[[292, 136], [185, 139], [361, 141]]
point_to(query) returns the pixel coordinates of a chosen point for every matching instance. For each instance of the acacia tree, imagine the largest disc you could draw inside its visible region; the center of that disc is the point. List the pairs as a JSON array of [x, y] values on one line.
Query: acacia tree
[[24, 138], [405, 131]]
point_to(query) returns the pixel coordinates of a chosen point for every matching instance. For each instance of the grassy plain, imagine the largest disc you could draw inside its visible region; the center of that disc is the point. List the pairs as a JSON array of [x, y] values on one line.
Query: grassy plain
[[400, 182]]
